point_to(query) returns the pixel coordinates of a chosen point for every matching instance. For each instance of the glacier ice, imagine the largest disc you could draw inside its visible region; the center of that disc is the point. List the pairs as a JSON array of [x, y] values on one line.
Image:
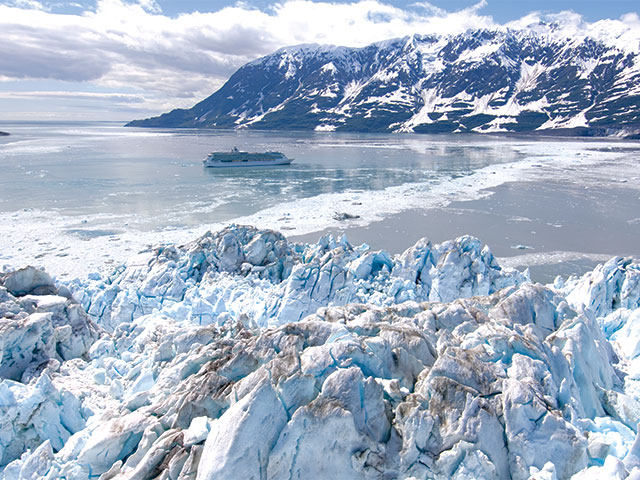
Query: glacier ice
[[39, 336], [242, 272], [242, 355]]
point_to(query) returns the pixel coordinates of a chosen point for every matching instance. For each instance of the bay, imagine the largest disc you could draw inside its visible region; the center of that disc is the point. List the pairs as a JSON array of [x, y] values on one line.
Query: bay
[[109, 191]]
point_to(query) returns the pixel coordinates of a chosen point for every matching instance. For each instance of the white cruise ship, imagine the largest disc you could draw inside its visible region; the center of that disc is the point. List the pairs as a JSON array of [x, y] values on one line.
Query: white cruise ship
[[236, 158]]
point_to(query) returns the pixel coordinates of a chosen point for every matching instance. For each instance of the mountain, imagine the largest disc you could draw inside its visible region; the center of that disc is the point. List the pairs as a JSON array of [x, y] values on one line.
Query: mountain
[[502, 80]]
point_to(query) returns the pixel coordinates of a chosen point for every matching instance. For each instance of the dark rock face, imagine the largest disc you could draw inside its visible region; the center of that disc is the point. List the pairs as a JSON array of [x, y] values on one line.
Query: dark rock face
[[480, 81]]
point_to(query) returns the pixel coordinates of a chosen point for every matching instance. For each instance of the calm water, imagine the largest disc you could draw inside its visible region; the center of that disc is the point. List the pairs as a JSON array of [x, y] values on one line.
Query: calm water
[[155, 178], [99, 183]]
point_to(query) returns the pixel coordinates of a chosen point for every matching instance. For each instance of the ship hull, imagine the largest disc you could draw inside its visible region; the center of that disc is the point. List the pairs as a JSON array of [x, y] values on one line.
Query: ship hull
[[246, 163], [244, 159]]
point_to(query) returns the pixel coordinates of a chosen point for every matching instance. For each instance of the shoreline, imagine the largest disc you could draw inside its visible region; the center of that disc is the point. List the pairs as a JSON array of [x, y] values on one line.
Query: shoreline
[[547, 205], [570, 133], [544, 227]]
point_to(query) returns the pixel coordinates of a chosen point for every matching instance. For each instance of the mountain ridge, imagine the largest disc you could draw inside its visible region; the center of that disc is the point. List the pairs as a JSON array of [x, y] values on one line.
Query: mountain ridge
[[485, 81]]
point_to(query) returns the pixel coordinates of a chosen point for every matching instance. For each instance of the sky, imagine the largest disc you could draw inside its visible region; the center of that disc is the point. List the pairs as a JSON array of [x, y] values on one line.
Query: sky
[[126, 59]]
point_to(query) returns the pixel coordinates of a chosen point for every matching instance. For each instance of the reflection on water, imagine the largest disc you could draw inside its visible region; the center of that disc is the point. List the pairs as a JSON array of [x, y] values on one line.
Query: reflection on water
[[75, 196], [111, 177], [155, 178]]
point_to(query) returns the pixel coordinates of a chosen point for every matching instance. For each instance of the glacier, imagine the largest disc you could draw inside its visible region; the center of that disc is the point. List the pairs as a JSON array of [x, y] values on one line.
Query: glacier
[[244, 355]]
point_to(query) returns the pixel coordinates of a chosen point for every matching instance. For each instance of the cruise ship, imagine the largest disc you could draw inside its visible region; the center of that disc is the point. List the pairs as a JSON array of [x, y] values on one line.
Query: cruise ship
[[236, 158]]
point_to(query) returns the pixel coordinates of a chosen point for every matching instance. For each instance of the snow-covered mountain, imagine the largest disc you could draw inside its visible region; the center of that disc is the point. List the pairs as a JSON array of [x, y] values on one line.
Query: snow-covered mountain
[[539, 78]]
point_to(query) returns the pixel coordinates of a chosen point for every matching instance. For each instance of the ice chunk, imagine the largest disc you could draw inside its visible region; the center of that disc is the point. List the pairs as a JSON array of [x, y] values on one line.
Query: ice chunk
[[111, 441], [616, 284], [256, 276], [36, 329], [240, 441], [197, 431], [28, 280]]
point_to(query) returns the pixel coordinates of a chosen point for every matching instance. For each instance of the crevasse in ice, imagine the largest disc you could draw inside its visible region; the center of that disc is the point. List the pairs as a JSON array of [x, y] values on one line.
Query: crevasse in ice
[[242, 355]]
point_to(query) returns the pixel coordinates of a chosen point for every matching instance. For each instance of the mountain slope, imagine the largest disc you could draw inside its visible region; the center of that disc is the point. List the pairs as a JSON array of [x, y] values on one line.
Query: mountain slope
[[482, 80]]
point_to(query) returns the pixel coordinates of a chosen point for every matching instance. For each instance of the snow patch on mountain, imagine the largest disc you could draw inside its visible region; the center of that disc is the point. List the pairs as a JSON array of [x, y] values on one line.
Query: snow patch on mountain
[[582, 78], [529, 76]]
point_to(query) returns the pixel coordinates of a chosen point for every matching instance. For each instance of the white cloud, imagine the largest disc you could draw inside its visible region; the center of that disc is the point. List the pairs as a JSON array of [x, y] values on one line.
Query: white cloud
[[116, 97], [631, 19], [623, 34], [130, 45], [27, 4], [440, 12], [150, 6]]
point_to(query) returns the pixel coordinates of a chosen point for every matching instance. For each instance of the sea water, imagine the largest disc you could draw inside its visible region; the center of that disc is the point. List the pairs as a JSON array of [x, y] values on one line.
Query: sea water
[[75, 197]]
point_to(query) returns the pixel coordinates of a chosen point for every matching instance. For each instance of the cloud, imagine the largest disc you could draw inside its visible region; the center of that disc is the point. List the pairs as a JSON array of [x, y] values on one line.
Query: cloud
[[150, 6], [27, 4], [442, 13], [623, 33], [130, 45], [114, 97]]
